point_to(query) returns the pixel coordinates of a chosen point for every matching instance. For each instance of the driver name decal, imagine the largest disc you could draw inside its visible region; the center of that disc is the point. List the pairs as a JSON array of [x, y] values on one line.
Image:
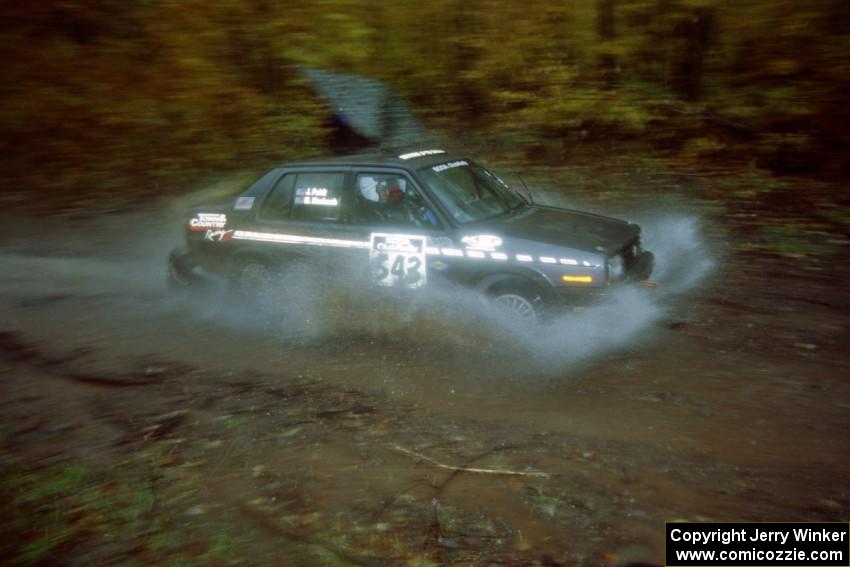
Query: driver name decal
[[315, 196]]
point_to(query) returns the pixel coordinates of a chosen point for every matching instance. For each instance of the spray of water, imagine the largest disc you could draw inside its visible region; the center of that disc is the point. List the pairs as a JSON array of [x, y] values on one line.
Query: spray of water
[[119, 261], [311, 309]]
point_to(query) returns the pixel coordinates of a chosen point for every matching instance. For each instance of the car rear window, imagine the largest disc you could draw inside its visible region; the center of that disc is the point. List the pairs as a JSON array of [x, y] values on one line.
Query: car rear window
[[278, 204]]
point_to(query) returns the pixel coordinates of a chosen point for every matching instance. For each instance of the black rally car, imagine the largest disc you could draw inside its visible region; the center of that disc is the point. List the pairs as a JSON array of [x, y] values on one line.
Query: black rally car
[[410, 220]]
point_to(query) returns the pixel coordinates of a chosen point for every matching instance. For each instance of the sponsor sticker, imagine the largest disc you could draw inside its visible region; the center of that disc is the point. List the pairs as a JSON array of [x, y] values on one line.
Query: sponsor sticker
[[450, 165], [482, 241], [244, 203], [218, 235], [421, 153], [205, 221]]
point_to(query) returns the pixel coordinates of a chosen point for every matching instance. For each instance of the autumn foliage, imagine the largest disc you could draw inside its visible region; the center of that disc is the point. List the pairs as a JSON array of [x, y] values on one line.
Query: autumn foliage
[[100, 96]]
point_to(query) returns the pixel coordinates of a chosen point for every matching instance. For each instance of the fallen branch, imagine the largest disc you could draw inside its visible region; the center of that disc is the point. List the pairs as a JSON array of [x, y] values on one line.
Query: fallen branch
[[431, 461], [439, 489]]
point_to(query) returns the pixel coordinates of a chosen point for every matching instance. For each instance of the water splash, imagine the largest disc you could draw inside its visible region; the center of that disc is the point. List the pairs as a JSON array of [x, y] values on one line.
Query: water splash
[[119, 262]]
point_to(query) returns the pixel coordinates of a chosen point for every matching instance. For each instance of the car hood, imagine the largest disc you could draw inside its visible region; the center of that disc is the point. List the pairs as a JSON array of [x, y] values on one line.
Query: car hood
[[563, 227]]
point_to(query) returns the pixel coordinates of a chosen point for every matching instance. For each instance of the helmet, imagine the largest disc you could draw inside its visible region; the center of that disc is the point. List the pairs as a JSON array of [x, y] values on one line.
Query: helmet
[[369, 189]]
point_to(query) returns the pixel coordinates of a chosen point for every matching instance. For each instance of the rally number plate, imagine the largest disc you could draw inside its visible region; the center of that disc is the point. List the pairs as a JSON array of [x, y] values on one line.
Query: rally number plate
[[397, 259]]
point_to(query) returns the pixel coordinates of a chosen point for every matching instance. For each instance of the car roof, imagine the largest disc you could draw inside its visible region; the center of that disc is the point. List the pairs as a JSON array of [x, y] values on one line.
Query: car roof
[[415, 159]]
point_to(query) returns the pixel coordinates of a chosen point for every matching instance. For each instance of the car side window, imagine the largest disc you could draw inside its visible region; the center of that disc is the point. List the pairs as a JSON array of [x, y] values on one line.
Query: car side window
[[390, 199], [318, 196], [278, 204]]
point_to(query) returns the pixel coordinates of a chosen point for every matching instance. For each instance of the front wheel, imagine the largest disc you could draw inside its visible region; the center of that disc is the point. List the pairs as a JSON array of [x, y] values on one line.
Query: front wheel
[[517, 305]]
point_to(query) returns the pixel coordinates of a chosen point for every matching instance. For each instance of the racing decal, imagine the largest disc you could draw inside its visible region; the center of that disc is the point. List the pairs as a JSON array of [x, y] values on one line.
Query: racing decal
[[397, 259], [315, 196], [421, 153], [415, 245], [482, 241], [205, 221], [298, 239], [218, 235], [450, 165], [244, 203]]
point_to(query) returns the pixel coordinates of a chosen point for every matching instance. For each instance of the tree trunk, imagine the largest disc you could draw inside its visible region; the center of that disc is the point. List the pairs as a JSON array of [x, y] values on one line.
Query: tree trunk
[[697, 31], [607, 33]]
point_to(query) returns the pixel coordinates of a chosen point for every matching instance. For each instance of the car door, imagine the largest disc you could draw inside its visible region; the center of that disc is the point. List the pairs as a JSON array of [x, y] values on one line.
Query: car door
[[396, 226], [295, 221]]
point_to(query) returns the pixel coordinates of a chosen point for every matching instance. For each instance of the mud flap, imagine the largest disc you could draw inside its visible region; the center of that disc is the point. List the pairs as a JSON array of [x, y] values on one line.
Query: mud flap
[[181, 269], [643, 267]]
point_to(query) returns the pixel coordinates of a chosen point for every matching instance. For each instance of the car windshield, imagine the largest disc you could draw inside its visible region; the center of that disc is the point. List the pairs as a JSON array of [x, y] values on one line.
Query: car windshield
[[469, 191]]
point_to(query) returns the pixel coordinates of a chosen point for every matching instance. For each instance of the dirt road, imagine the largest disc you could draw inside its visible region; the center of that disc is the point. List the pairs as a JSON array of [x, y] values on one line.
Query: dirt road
[[141, 427]]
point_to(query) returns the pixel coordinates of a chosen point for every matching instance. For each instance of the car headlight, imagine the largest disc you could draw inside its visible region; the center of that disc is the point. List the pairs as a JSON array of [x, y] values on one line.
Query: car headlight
[[616, 268]]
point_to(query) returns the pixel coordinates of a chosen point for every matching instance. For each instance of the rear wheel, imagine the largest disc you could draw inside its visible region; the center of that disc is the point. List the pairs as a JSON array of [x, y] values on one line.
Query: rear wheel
[[253, 280]]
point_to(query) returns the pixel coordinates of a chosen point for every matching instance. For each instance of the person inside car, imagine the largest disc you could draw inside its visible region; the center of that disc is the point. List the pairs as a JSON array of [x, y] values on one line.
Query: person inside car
[[379, 199], [386, 200]]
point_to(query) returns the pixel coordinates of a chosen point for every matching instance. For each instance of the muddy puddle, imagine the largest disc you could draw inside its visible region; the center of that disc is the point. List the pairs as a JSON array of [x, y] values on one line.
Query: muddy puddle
[[346, 429]]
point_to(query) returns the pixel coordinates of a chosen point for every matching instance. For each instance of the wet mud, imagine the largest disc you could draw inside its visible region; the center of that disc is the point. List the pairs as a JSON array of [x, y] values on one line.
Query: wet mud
[[144, 426]]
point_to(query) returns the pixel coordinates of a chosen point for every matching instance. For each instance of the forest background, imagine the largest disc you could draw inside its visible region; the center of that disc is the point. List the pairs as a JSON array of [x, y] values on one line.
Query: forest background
[[103, 98]]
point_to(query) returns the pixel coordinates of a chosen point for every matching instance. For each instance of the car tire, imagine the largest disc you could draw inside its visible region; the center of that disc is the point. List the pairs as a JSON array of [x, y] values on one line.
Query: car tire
[[518, 303]]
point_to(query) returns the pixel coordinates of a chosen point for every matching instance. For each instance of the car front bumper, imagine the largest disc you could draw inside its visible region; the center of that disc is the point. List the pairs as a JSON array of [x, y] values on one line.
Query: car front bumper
[[579, 296]]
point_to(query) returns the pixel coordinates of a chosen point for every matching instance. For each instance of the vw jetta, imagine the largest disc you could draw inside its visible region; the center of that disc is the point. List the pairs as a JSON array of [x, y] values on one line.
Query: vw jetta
[[411, 220]]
